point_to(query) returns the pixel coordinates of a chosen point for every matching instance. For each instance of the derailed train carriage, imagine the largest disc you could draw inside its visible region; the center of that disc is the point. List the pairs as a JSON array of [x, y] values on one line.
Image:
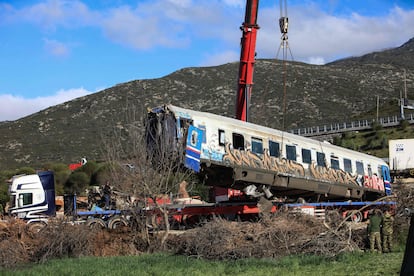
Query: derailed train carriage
[[262, 161]]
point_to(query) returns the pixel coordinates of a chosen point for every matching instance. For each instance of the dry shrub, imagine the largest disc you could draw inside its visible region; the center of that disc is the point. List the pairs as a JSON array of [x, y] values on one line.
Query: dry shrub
[[274, 236], [405, 201], [61, 239], [115, 243], [13, 243]]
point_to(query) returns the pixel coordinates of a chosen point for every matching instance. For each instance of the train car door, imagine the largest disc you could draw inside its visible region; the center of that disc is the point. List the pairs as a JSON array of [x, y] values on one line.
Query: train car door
[[387, 179], [193, 148]]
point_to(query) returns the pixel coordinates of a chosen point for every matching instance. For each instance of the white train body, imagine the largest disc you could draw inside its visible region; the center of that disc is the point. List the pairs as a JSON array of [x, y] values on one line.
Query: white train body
[[261, 160]]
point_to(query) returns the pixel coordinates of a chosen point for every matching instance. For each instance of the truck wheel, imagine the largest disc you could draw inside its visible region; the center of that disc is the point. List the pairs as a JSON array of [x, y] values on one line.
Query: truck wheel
[[356, 216], [117, 222], [96, 223]]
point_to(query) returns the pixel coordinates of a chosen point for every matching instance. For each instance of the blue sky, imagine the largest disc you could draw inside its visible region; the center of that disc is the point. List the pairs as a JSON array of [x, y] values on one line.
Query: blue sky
[[52, 51]]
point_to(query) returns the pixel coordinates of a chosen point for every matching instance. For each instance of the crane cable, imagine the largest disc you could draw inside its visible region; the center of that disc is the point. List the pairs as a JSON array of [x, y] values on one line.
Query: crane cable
[[284, 44]]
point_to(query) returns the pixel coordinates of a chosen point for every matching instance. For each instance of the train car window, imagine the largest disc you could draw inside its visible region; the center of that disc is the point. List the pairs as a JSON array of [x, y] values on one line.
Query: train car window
[[347, 165], [380, 172], [369, 170], [320, 159], [257, 145], [194, 138], [238, 141], [306, 156], [360, 167], [203, 128], [222, 138], [291, 152], [334, 162], [274, 148]]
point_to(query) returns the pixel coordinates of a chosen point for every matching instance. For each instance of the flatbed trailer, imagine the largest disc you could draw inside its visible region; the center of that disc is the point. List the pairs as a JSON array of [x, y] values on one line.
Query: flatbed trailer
[[355, 211], [181, 214], [188, 215]]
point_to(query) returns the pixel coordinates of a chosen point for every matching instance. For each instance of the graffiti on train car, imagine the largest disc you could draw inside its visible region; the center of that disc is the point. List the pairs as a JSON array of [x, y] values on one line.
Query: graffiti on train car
[[339, 176], [235, 157], [374, 182]]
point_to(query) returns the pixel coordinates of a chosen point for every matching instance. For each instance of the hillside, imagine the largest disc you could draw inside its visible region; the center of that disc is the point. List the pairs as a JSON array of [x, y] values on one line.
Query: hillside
[[335, 92]]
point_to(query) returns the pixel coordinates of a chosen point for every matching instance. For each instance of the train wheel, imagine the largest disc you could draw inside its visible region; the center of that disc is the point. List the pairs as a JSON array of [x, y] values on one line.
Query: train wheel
[[117, 222], [96, 223], [357, 216]]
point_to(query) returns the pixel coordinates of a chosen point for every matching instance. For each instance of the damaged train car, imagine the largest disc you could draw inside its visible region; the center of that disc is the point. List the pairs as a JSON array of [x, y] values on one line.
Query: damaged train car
[[262, 161]]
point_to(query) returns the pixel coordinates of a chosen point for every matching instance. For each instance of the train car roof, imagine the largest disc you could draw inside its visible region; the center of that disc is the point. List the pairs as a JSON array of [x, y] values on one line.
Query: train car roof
[[198, 115]]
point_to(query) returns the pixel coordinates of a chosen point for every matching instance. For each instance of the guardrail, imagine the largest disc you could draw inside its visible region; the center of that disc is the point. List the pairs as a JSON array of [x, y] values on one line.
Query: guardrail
[[389, 121]]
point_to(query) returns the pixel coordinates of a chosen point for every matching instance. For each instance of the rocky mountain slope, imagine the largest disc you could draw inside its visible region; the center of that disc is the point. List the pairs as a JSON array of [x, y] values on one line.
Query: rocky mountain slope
[[335, 92]]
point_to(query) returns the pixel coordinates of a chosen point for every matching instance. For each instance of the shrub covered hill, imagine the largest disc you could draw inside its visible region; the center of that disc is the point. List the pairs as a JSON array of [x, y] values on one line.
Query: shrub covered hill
[[340, 91]]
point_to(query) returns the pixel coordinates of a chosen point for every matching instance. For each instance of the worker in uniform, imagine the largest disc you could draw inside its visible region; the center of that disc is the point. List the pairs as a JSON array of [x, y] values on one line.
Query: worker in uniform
[[387, 231], [374, 231], [107, 194]]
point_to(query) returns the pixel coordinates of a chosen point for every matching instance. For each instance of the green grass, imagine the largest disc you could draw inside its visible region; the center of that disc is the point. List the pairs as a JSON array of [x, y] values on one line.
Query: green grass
[[374, 142], [161, 264]]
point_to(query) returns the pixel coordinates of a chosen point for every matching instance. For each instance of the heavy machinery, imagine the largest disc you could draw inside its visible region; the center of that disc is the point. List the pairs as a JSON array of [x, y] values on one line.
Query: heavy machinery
[[261, 162], [247, 59], [32, 197], [241, 160]]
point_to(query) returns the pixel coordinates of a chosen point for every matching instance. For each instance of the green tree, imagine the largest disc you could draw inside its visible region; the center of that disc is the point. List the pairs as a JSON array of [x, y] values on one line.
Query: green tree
[[62, 173], [101, 175], [4, 194], [404, 124], [25, 170], [77, 183], [376, 126], [89, 168]]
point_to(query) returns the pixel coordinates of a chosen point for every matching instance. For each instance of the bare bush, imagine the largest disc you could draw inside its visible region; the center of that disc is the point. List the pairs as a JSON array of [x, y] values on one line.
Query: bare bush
[[272, 237], [13, 243], [61, 239], [150, 175]]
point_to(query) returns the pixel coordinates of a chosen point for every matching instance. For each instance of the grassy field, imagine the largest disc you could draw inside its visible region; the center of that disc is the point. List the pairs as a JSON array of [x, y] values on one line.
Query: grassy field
[[375, 142], [161, 264]]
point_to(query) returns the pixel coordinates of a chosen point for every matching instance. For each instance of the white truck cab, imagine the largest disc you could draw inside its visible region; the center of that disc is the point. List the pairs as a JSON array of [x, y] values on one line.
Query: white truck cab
[[32, 197]]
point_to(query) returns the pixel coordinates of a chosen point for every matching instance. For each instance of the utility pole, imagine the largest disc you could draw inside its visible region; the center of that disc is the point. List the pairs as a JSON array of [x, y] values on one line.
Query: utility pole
[[377, 107]]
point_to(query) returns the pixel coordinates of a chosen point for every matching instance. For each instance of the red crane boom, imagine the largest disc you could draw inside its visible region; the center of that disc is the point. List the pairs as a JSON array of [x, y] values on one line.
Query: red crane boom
[[247, 59]]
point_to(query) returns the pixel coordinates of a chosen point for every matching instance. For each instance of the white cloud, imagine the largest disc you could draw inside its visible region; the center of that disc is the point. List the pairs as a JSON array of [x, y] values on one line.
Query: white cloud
[[177, 24], [15, 107], [314, 33], [316, 60], [236, 3], [220, 58], [172, 24], [56, 48], [51, 14]]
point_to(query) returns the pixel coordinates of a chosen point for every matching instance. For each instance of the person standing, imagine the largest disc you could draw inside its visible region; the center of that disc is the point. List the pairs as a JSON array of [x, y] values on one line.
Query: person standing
[[387, 231], [107, 195], [374, 231]]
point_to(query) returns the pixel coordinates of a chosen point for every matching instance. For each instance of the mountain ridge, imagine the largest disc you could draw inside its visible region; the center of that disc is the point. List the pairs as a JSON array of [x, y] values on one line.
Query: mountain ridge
[[316, 94]]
